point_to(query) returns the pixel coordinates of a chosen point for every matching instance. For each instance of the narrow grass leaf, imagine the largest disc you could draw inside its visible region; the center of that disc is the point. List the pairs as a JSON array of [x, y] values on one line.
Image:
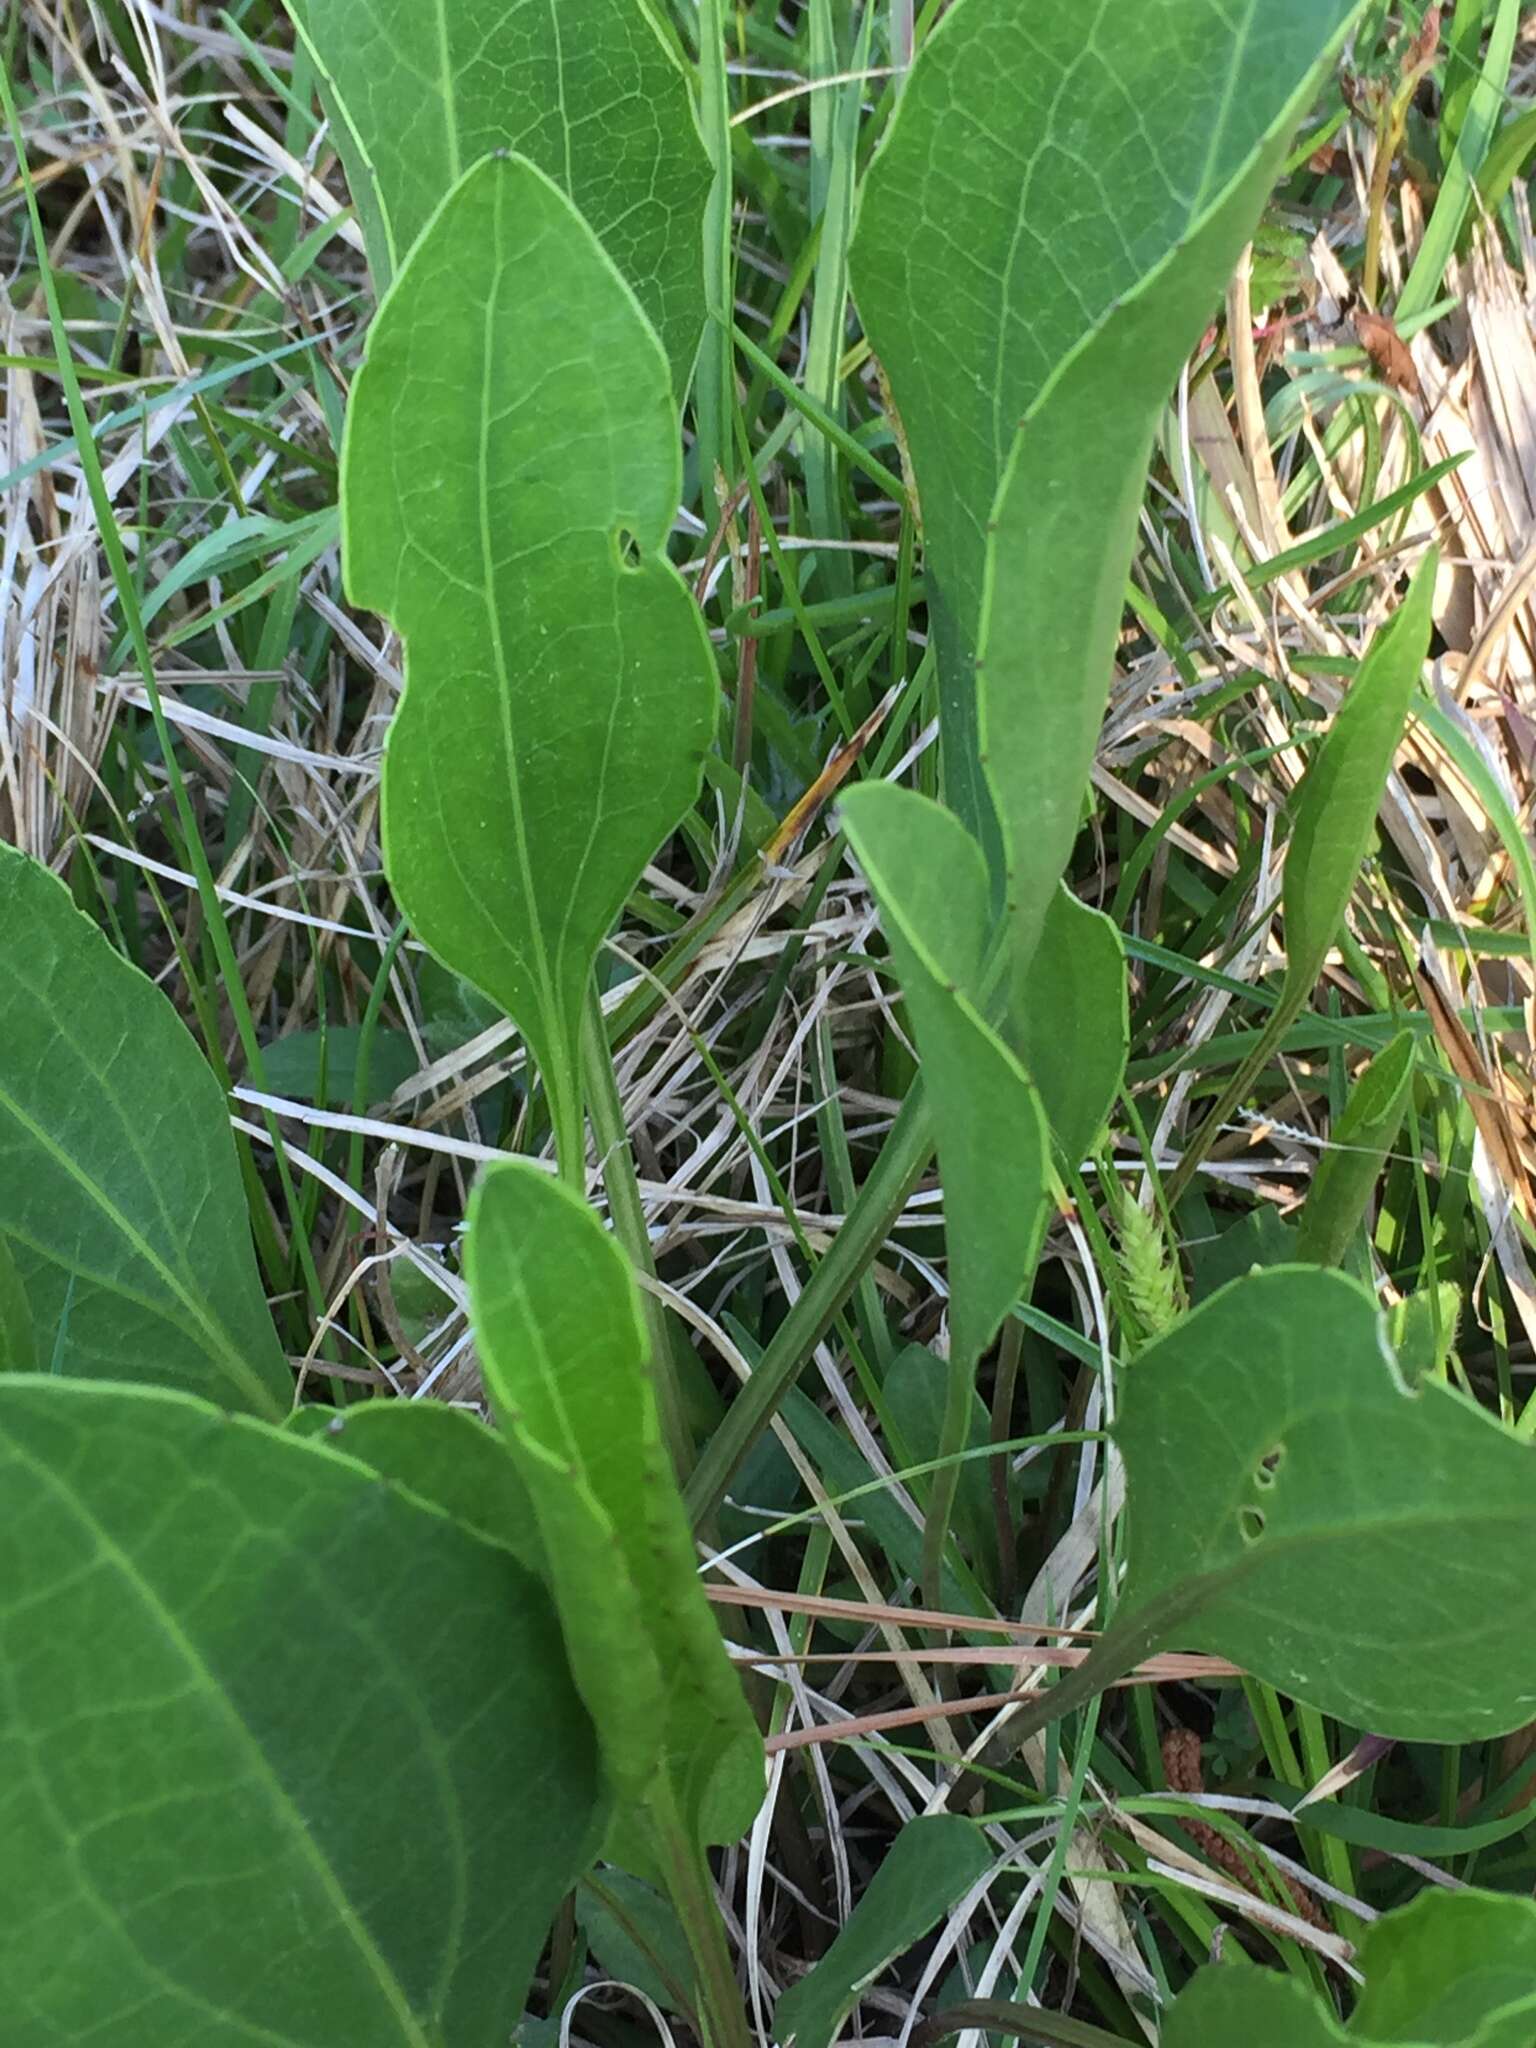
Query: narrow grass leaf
[[263, 1780], [120, 1195], [999, 282], [1340, 794], [1359, 1142], [928, 1869], [509, 478], [592, 94], [1334, 1533], [562, 1346]]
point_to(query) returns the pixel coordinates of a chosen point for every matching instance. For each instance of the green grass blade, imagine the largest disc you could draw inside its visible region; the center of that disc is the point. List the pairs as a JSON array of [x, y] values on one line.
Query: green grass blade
[[509, 478]]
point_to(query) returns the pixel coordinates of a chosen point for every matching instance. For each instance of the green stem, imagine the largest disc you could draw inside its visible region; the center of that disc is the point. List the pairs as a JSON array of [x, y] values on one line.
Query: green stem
[[881, 1200], [714, 377], [722, 2017], [629, 1226]]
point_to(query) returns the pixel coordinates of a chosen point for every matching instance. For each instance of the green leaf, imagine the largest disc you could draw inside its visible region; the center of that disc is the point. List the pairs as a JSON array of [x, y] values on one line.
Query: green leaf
[[930, 880], [509, 478], [915, 1400], [263, 1781], [928, 1869], [591, 94], [1049, 224], [1235, 2002], [296, 1064], [1451, 1968], [1071, 1021], [120, 1194], [1360, 1140], [563, 1350], [1332, 832], [18, 1352], [1278, 1471], [1340, 794], [636, 1937], [928, 876], [443, 1455]]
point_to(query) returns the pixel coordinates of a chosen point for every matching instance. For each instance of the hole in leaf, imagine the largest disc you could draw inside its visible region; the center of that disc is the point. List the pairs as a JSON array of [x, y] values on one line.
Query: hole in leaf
[[1268, 1466], [1250, 1521], [626, 548]]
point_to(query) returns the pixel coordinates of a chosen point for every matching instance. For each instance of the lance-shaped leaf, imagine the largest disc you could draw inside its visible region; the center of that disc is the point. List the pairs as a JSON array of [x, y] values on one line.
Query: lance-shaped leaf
[[1071, 1021], [1049, 225], [1335, 822], [120, 1195], [286, 1756], [1278, 1470], [510, 474], [592, 94], [1360, 1140], [929, 1868], [930, 880], [563, 1349]]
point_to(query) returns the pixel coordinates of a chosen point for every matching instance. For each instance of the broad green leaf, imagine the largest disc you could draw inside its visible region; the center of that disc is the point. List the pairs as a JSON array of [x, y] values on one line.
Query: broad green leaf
[[1452, 1968], [18, 1352], [120, 1194], [1422, 1328], [929, 1868], [1049, 224], [1333, 1533], [1071, 1022], [563, 1350], [929, 878], [1238, 2003], [591, 94], [1340, 794], [1360, 1140], [287, 1757], [509, 478], [443, 1455]]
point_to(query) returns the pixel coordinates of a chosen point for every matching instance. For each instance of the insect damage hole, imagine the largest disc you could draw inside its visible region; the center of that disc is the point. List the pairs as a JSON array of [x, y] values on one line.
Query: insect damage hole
[[1250, 1523], [626, 549], [1264, 1472]]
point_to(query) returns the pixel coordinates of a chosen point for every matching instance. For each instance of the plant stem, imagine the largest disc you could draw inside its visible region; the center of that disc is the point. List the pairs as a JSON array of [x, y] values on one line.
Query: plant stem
[[722, 2017], [614, 1157], [714, 376]]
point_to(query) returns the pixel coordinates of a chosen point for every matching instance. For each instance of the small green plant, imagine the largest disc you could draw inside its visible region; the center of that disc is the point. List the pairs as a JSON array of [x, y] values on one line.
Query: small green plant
[[317, 1716]]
